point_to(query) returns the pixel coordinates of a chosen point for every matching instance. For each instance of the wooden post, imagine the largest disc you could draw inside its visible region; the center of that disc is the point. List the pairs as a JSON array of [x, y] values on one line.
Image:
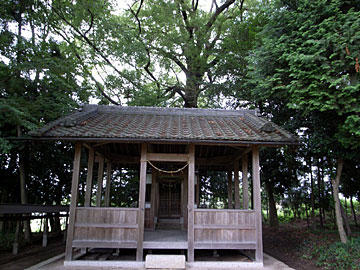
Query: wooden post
[[74, 201], [245, 181], [108, 184], [89, 178], [197, 199], [257, 202], [236, 184], [16, 238], [45, 232], [100, 182], [153, 199], [191, 177], [230, 197], [66, 227], [141, 212]]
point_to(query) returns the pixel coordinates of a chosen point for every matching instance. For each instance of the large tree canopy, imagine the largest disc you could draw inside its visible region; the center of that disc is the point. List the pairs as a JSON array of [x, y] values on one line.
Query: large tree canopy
[[158, 52]]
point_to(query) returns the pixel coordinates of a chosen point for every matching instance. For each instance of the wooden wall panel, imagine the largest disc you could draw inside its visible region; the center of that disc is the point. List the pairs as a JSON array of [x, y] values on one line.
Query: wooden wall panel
[[94, 227], [219, 227]]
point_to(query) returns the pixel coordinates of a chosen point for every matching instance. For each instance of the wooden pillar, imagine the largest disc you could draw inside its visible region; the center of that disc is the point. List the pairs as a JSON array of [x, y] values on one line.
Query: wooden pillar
[[184, 191], [45, 232], [153, 199], [108, 184], [191, 177], [245, 181], [230, 197], [100, 182], [74, 201], [141, 212], [16, 238], [89, 178], [236, 184], [257, 202], [197, 198]]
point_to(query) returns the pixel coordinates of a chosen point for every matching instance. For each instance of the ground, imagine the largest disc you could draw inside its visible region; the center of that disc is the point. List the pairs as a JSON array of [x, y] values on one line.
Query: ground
[[291, 243], [286, 245], [31, 254]]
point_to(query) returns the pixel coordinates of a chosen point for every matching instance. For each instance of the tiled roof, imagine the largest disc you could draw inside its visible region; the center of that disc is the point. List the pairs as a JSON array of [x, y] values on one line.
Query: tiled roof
[[169, 124]]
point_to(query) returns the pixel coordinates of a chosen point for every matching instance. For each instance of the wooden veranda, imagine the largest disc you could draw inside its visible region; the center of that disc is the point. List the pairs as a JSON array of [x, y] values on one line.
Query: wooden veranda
[[184, 142]]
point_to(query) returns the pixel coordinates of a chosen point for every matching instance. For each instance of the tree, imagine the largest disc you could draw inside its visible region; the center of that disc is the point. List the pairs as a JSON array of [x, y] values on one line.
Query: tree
[[143, 50], [310, 48], [38, 84]]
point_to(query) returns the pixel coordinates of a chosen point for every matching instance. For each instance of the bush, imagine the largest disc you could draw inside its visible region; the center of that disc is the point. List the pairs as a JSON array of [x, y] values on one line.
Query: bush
[[340, 256]]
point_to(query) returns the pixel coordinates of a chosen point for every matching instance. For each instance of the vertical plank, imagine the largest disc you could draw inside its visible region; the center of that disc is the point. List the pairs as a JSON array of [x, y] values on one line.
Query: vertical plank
[[15, 250], [73, 203], [153, 199], [230, 197], [108, 183], [245, 181], [257, 202], [236, 184], [191, 177], [198, 189], [89, 178], [100, 182], [185, 196], [141, 212], [45, 232]]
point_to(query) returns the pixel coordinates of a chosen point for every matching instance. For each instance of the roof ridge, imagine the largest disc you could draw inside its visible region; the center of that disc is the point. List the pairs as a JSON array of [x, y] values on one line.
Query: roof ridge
[[168, 110]]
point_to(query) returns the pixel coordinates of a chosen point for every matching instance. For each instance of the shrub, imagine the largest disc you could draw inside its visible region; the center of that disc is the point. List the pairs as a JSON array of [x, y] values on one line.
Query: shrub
[[340, 256]]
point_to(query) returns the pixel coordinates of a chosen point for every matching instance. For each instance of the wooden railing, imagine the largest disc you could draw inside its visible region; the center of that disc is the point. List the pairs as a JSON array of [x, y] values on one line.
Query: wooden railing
[[105, 227], [224, 229]]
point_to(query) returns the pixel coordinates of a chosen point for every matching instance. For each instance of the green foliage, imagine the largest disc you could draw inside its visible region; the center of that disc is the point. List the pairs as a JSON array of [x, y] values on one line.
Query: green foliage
[[307, 59], [340, 256], [175, 49]]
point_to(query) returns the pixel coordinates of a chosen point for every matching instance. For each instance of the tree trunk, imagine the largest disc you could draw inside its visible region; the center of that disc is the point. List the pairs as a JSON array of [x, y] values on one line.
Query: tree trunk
[[320, 199], [273, 219], [191, 93], [335, 183], [346, 221], [312, 197], [353, 211], [307, 215], [23, 192]]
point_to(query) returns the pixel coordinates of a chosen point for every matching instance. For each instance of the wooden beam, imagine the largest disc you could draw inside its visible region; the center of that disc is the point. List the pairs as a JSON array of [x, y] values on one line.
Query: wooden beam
[[229, 189], [100, 182], [122, 159], [236, 184], [257, 202], [108, 184], [168, 157], [73, 203], [89, 147], [89, 177], [31, 208], [191, 177], [141, 212], [245, 181]]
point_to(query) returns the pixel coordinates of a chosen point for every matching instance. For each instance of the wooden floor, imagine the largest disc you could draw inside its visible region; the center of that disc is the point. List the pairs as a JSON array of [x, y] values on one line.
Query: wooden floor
[[165, 239]]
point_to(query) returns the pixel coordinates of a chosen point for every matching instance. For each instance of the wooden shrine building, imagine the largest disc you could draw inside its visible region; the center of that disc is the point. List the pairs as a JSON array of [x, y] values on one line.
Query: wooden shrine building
[[171, 149]]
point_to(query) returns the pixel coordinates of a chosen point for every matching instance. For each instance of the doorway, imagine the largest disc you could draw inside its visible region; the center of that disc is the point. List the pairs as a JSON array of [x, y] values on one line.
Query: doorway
[[169, 200]]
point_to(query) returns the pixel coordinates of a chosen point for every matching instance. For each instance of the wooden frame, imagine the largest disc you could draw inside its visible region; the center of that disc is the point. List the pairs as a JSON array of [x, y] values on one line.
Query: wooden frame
[[241, 229]]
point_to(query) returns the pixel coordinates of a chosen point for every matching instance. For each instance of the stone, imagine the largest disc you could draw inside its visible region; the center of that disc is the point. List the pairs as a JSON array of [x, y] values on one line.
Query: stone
[[165, 261]]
